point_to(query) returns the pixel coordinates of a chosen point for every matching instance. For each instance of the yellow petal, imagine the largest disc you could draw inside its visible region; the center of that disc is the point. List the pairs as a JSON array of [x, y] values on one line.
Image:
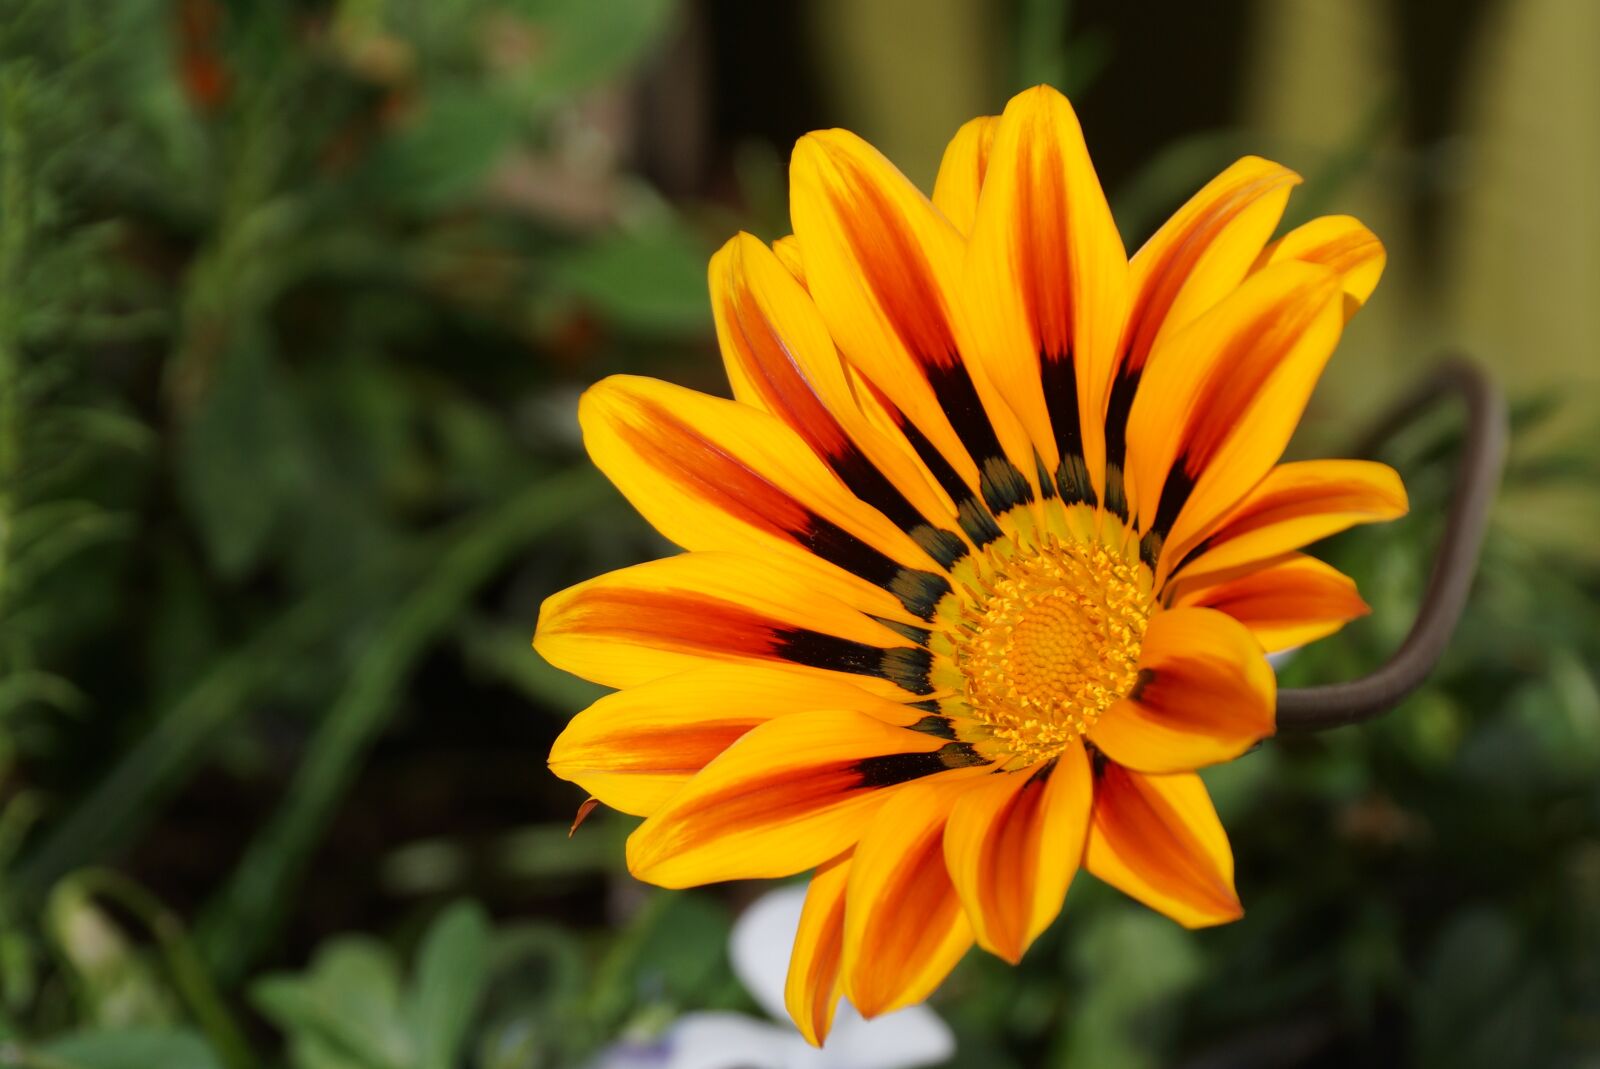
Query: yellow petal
[[884, 267], [1220, 398], [1013, 843], [1047, 279], [955, 190], [1297, 504], [1205, 694], [1338, 242], [789, 795], [812, 990], [662, 617], [1158, 839], [1202, 253], [1288, 604], [636, 748], [710, 473], [904, 928], [780, 358], [1199, 256], [787, 249]]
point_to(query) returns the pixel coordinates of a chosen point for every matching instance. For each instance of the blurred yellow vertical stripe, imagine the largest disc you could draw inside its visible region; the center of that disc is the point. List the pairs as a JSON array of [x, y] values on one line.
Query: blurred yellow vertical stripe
[[906, 73], [1523, 251], [1319, 73]]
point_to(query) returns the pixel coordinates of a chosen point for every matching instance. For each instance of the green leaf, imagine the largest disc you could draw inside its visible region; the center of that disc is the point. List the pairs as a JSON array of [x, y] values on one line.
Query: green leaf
[[347, 1004], [447, 150], [240, 456], [128, 1048], [452, 968], [651, 279], [674, 952], [581, 43], [1135, 963]]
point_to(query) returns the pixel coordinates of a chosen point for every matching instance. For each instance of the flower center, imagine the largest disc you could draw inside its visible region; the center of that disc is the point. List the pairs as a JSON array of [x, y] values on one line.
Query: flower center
[[1052, 645]]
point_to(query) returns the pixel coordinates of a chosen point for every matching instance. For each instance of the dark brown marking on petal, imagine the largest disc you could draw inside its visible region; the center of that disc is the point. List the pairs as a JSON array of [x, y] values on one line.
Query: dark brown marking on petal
[[891, 769]]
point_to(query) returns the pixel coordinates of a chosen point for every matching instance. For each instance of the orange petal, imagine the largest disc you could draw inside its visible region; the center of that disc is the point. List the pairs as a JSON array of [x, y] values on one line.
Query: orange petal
[[1338, 242], [667, 616], [1205, 694], [884, 267], [812, 990], [1158, 839], [780, 358], [636, 748], [1197, 257], [710, 473], [1294, 505], [904, 928], [1219, 400], [1014, 841], [1284, 605], [1047, 278], [966, 158], [786, 797], [1204, 251]]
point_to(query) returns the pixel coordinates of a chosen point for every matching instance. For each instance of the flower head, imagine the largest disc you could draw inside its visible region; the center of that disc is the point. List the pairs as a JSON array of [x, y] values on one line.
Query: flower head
[[985, 557]]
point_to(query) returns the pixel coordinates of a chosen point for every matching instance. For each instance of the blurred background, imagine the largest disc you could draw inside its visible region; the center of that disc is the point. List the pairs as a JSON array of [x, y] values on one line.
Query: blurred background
[[296, 299]]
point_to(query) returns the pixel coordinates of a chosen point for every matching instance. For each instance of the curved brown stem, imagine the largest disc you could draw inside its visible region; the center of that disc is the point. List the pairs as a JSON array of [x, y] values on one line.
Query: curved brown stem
[[1477, 479]]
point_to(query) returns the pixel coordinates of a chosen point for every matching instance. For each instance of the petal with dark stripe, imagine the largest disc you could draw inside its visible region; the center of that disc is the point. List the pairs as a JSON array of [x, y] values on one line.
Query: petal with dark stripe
[[780, 358], [904, 926], [1295, 505], [671, 615], [710, 473], [1014, 841], [1205, 694], [1158, 839], [1197, 257], [884, 267], [812, 990], [1219, 400], [636, 748], [1046, 276], [791, 794], [1287, 604]]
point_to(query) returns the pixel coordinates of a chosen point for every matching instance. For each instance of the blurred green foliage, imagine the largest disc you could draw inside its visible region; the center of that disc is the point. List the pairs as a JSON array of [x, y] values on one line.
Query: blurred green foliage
[[295, 299]]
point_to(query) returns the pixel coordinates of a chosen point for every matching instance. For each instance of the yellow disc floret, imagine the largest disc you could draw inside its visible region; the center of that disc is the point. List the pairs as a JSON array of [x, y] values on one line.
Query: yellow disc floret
[[1050, 643]]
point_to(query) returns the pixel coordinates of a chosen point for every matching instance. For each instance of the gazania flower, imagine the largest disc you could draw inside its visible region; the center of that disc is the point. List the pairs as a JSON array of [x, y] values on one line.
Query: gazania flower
[[984, 558]]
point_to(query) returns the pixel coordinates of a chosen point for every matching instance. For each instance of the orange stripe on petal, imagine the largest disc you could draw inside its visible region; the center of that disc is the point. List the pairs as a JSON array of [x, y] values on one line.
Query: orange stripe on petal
[[1217, 405], [1205, 694], [1158, 839], [636, 748], [667, 616], [1297, 504], [786, 797], [884, 267], [1013, 843], [812, 990], [1204, 251], [708, 472], [1047, 283], [1285, 605], [904, 927], [780, 358], [1340, 243]]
